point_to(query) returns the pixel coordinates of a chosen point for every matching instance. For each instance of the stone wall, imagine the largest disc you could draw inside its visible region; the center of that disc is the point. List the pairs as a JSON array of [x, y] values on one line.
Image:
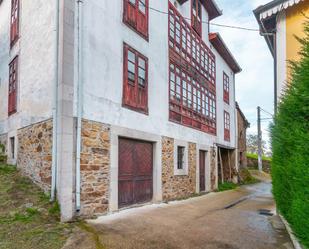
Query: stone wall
[[176, 187], [95, 165], [213, 169], [34, 154], [242, 138], [253, 163], [4, 140]]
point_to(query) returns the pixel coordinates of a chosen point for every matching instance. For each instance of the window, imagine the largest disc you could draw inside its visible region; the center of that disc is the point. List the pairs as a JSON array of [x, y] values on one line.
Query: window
[[14, 21], [226, 88], [226, 126], [192, 103], [135, 83], [196, 20], [184, 41], [135, 15], [13, 79], [12, 144], [180, 157]]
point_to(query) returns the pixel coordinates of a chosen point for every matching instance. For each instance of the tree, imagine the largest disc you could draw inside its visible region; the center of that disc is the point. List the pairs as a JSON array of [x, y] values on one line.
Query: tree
[[290, 143], [252, 144]]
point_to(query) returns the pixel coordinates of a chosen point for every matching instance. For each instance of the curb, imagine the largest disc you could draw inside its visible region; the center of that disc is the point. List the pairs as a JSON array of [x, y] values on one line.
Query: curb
[[294, 240]]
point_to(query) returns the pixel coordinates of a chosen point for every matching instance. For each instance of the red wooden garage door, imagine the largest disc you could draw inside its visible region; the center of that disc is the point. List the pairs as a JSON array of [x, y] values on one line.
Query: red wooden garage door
[[135, 172]]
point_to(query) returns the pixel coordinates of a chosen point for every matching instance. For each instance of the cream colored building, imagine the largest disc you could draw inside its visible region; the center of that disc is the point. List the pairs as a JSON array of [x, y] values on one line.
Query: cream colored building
[[280, 21]]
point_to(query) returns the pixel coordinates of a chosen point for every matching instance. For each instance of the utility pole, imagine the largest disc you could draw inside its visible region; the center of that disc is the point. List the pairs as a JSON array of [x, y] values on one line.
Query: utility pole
[[260, 162]]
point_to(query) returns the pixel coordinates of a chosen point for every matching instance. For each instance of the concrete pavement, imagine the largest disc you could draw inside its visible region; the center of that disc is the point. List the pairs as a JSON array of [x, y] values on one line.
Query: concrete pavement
[[232, 219]]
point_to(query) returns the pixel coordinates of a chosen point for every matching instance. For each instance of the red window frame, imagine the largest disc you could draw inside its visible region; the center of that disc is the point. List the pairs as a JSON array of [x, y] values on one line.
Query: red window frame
[[135, 80], [136, 16], [14, 22], [191, 102], [226, 88], [13, 82], [227, 126], [196, 16], [189, 46]]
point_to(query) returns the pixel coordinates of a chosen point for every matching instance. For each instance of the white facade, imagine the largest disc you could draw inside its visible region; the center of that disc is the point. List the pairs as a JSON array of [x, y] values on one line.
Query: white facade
[[103, 34], [103, 73], [35, 50]]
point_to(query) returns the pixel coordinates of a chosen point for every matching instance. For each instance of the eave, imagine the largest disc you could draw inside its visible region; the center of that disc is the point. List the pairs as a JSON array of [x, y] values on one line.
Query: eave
[[218, 43], [211, 7], [266, 16]]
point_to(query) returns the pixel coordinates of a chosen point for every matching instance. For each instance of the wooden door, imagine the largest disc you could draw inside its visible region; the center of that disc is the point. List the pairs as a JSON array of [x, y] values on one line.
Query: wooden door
[[202, 170], [135, 178]]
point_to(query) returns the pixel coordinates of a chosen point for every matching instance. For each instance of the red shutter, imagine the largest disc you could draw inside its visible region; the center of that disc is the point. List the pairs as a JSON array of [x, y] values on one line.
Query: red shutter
[[129, 87], [14, 21], [130, 13], [13, 78], [135, 17], [135, 96], [142, 21], [142, 92]]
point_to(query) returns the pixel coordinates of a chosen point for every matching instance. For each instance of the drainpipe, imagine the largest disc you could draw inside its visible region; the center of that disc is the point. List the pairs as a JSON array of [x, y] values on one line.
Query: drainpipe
[[55, 102], [275, 75], [79, 82]]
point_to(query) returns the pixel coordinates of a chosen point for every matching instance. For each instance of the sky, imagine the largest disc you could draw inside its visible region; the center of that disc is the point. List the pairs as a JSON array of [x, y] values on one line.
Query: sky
[[254, 85]]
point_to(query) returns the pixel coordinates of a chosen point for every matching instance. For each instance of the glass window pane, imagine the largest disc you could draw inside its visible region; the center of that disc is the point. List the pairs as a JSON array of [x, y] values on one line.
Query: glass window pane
[[142, 6]]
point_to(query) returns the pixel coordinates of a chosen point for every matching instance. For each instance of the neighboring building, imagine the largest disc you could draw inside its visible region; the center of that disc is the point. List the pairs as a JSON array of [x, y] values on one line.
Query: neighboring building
[[280, 21], [242, 125], [114, 103]]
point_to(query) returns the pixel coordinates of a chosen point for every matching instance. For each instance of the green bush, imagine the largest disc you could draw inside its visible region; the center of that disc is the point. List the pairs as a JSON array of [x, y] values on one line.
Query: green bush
[[226, 186], [255, 156], [290, 143]]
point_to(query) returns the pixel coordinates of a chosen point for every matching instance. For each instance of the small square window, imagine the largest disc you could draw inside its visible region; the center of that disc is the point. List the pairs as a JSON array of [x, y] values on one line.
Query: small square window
[[180, 157]]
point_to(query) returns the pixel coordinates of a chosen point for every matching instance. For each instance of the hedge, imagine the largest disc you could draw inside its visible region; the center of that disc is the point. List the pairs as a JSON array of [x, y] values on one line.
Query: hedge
[[290, 144]]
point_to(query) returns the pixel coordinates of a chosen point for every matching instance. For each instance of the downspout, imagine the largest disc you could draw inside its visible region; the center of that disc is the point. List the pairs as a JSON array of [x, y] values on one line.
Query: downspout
[[79, 82], [275, 74], [55, 103]]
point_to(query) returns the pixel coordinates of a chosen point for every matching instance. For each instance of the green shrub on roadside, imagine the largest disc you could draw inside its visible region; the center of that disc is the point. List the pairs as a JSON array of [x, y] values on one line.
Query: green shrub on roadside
[[226, 186], [290, 144], [255, 156]]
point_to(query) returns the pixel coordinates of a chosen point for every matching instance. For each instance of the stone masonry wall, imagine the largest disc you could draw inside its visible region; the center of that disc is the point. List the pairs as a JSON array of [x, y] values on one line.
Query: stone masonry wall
[[176, 187], [213, 171], [34, 154], [95, 165], [253, 163]]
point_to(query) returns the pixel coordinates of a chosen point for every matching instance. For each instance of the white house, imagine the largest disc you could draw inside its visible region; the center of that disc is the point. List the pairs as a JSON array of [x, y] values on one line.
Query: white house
[[110, 104]]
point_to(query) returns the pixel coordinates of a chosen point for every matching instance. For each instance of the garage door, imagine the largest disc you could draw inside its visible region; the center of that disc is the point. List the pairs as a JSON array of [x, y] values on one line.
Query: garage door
[[135, 172]]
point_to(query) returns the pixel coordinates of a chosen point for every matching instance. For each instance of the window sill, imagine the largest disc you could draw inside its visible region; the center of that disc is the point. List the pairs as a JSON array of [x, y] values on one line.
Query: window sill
[[180, 172]]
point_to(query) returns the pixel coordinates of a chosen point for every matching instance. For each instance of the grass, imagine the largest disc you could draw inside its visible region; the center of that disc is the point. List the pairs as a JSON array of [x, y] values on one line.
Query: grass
[[27, 219], [247, 178], [255, 156], [226, 186]]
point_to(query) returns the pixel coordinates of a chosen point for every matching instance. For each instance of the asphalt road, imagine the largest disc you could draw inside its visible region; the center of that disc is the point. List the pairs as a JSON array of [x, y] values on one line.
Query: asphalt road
[[240, 218]]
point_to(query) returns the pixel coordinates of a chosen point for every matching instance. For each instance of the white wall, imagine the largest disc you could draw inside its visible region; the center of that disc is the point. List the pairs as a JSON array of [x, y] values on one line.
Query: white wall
[[36, 64], [104, 34], [281, 54]]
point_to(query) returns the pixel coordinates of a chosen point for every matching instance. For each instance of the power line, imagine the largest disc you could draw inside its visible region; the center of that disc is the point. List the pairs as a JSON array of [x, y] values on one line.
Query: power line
[[267, 112], [213, 24]]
